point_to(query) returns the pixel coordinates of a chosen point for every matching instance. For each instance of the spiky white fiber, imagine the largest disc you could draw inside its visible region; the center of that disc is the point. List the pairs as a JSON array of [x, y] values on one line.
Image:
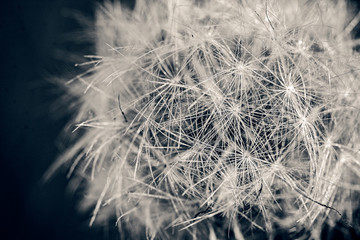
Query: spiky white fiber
[[216, 118]]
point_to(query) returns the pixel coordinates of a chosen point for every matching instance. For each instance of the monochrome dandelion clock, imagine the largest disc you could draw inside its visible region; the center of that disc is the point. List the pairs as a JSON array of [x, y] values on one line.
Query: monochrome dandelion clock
[[215, 119]]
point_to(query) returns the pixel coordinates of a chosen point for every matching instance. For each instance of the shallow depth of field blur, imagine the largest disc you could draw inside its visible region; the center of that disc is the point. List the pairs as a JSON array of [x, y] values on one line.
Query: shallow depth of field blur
[[218, 119]]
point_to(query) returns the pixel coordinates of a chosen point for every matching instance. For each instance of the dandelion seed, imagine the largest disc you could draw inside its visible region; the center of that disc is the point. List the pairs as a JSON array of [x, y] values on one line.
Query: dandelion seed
[[290, 89]]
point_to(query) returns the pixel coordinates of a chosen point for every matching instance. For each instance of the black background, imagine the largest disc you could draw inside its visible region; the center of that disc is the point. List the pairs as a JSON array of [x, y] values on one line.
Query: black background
[[35, 44], [37, 37]]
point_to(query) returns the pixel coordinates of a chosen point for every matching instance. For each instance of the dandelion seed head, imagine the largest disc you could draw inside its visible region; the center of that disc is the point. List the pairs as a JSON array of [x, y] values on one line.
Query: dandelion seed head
[[215, 94]]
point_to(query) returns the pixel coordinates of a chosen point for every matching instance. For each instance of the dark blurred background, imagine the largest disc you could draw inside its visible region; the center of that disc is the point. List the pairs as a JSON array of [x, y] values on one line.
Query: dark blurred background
[[37, 37]]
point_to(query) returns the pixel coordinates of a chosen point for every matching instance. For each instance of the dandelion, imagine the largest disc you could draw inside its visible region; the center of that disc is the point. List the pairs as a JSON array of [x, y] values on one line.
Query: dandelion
[[224, 119]]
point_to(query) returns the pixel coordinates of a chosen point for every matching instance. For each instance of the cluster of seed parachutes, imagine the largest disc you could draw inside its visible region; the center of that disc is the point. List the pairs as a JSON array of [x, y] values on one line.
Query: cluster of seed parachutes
[[219, 118]]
